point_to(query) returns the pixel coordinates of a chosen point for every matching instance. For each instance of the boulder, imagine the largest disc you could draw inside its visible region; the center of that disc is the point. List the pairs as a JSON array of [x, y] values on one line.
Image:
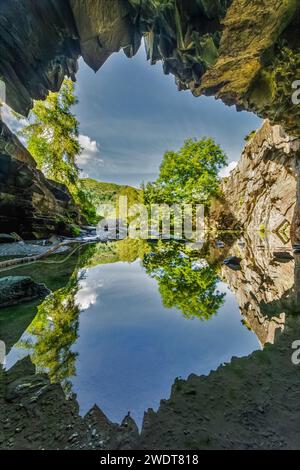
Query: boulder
[[18, 289]]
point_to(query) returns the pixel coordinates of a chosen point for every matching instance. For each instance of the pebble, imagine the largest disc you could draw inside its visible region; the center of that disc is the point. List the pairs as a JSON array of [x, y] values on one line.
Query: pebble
[[71, 438]]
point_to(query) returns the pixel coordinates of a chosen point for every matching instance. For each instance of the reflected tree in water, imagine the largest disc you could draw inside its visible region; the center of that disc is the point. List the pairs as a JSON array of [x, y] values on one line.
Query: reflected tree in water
[[185, 281], [53, 331], [55, 328]]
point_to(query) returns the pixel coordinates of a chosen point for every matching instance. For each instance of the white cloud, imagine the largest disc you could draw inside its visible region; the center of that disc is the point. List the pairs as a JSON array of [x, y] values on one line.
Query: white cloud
[[10, 119], [88, 293], [90, 152], [226, 171]]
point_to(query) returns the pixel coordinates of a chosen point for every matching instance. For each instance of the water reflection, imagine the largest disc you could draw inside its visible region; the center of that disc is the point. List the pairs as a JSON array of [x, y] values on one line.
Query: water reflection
[[121, 330], [185, 281], [52, 333], [108, 337]]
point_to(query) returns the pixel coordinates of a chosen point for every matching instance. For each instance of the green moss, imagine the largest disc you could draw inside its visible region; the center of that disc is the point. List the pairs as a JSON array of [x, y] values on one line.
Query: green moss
[[271, 91], [246, 324], [262, 228], [5, 197], [75, 231], [249, 136]]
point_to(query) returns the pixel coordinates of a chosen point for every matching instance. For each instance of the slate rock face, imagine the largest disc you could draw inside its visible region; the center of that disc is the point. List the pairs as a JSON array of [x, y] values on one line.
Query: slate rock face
[[103, 28], [264, 284], [38, 48], [246, 53], [261, 192], [31, 205], [37, 415]]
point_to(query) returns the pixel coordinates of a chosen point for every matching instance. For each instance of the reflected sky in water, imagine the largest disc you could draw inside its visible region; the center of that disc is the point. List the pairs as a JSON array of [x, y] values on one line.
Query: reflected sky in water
[[131, 348]]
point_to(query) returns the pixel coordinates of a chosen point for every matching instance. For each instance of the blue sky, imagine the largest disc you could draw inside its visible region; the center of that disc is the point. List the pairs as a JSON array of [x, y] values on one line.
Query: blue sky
[[130, 113]]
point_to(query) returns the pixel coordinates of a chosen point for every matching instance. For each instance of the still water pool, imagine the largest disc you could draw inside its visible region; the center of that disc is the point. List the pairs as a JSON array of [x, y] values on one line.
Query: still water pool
[[119, 333]]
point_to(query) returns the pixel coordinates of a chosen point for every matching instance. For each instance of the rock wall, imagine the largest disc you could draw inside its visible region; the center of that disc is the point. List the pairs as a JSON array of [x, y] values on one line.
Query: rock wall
[[261, 192], [31, 205], [264, 285]]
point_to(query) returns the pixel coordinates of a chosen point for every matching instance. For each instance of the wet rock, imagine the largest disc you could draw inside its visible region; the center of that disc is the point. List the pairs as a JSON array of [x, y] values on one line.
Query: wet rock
[[5, 238], [27, 388], [260, 285], [18, 289], [31, 205], [204, 44], [233, 262]]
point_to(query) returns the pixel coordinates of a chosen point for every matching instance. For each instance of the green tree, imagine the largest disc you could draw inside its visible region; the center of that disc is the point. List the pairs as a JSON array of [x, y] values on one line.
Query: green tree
[[52, 137], [55, 328], [189, 175]]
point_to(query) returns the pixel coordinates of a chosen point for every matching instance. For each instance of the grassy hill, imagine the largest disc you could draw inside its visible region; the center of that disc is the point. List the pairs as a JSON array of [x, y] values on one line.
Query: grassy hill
[[106, 193]]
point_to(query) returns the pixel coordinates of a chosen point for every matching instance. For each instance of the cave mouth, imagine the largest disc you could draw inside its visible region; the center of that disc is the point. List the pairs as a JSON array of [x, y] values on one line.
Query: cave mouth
[[130, 114], [246, 54]]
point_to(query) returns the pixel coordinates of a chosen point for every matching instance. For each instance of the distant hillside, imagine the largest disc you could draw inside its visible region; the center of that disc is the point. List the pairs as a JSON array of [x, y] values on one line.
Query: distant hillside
[[101, 193]]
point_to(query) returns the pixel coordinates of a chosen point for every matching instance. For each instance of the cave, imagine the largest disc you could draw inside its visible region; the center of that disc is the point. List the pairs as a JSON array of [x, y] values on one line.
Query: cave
[[245, 53]]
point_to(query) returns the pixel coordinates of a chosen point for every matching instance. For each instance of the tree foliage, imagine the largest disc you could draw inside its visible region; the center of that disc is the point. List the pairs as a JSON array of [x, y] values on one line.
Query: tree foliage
[[52, 137], [189, 175], [184, 282]]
